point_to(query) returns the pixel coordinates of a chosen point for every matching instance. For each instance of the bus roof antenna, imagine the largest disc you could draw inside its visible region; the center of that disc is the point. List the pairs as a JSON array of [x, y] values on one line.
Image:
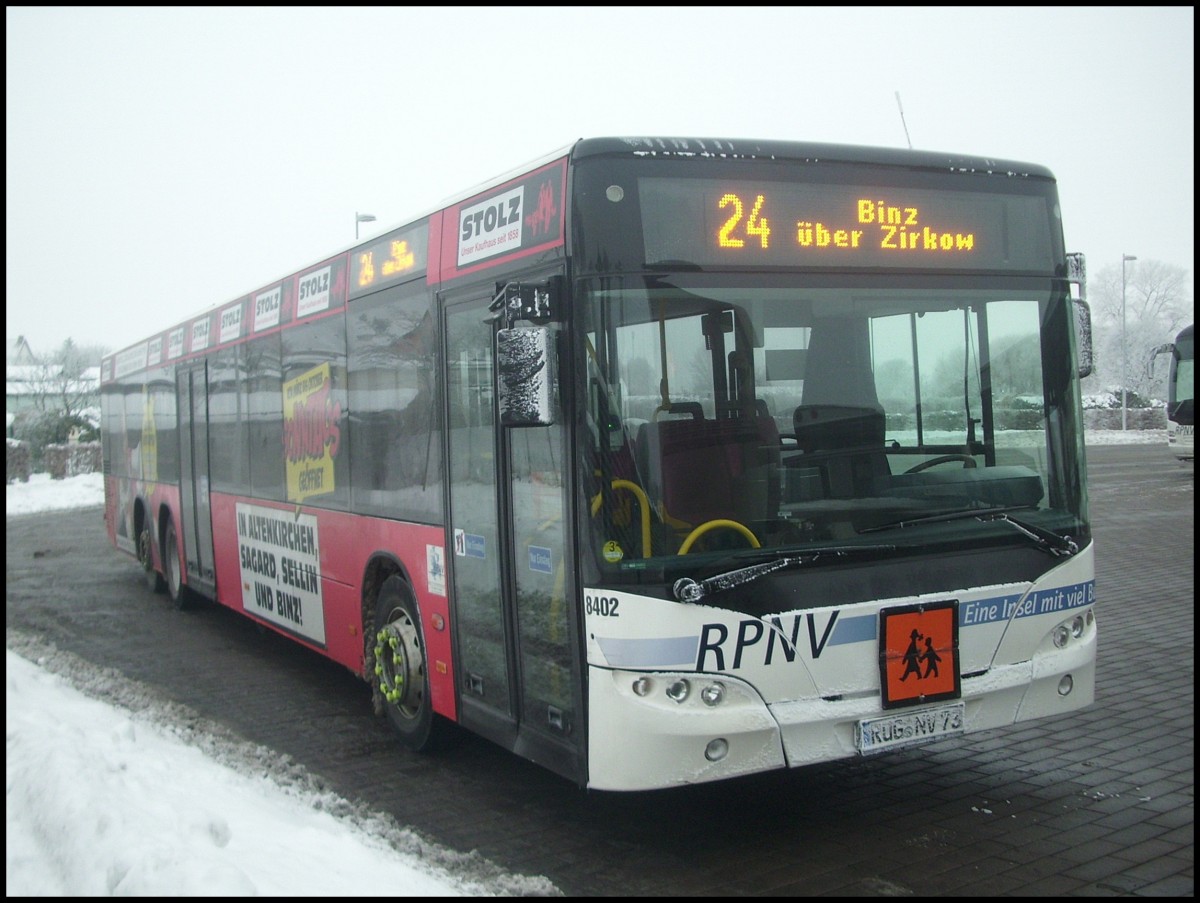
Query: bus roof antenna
[[902, 122]]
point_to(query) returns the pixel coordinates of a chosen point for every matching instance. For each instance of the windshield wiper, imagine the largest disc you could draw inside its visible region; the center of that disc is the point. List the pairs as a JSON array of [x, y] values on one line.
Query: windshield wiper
[[1046, 540], [688, 590]]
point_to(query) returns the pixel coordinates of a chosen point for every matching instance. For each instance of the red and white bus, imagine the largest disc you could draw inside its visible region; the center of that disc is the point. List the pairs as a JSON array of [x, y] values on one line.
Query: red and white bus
[[657, 461]]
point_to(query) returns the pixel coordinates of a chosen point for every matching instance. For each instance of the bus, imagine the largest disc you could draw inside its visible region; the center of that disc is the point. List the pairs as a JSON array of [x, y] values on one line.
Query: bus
[[1181, 393], [657, 461]]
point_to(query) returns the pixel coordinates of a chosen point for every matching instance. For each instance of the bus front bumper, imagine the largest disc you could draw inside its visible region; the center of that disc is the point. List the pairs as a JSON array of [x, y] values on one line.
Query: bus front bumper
[[646, 731]]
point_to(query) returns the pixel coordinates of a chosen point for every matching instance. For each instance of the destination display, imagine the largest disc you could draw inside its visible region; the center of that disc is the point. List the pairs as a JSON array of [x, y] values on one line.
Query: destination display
[[715, 222], [397, 256]]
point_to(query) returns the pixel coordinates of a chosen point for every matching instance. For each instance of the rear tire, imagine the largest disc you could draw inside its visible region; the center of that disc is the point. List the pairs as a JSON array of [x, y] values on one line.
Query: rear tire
[[145, 549], [179, 593], [400, 679]]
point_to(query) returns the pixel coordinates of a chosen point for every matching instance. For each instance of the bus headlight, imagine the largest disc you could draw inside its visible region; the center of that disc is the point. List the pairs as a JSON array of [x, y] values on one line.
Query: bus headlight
[[1061, 635], [678, 689], [642, 686], [1077, 627], [713, 694]]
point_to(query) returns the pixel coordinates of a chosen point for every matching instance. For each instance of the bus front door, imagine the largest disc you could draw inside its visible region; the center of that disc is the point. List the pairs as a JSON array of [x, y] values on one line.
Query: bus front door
[[519, 677]]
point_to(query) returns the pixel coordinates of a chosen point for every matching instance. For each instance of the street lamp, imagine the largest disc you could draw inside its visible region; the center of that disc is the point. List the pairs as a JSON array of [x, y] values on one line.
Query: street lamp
[[361, 218], [1125, 258]]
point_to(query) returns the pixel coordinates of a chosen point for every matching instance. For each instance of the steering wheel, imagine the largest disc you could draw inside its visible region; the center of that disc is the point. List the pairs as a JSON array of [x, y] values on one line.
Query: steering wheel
[[967, 462], [714, 525]]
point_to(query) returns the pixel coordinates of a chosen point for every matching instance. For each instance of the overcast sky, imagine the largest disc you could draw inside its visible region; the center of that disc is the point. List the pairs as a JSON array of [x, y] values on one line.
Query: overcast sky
[[164, 161]]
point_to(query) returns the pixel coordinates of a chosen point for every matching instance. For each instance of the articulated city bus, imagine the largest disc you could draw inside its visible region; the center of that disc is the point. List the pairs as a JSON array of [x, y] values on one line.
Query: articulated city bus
[[657, 461], [1181, 393]]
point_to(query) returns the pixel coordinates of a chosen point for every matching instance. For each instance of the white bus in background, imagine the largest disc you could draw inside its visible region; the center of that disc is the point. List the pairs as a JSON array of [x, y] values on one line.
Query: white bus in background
[[1181, 393]]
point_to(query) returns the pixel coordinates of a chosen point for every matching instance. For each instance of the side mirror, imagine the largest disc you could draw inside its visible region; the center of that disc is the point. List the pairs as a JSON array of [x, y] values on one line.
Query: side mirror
[[1083, 335], [1082, 314], [527, 375]]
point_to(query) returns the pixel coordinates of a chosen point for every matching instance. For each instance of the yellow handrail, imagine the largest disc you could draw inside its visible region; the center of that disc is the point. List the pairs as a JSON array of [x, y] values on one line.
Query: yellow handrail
[[712, 525], [643, 504]]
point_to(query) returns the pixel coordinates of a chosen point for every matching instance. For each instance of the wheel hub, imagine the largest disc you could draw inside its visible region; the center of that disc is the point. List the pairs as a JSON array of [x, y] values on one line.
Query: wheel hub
[[144, 550], [399, 664]]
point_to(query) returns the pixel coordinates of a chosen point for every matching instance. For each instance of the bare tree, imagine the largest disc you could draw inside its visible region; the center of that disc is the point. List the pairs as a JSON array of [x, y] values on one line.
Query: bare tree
[[1157, 304], [65, 382], [62, 390]]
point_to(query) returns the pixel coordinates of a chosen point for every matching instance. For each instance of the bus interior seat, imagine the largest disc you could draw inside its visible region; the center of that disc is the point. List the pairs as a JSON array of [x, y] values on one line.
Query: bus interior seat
[[826, 427], [846, 444], [702, 470]]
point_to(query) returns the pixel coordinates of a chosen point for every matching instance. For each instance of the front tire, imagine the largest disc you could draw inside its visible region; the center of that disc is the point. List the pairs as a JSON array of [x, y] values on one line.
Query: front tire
[[401, 679]]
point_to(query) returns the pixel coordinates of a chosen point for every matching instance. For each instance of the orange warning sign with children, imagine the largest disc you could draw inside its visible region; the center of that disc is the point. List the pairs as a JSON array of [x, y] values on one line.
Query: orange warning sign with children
[[918, 654]]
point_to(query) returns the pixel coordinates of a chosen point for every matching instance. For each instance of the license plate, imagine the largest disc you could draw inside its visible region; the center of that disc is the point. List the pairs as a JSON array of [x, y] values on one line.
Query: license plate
[[908, 728]]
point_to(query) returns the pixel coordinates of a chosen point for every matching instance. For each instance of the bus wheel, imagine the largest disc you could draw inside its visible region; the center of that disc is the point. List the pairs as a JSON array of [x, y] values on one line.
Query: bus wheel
[[145, 550], [400, 676], [174, 578]]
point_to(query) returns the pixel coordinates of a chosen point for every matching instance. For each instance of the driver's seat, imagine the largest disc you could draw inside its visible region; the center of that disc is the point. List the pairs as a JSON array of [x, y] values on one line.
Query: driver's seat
[[846, 443]]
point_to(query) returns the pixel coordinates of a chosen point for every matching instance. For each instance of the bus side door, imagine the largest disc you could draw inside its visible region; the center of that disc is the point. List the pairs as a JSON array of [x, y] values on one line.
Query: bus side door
[[510, 573]]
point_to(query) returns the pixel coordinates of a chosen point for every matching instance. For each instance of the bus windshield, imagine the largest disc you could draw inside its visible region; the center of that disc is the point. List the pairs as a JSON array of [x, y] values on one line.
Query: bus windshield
[[735, 420]]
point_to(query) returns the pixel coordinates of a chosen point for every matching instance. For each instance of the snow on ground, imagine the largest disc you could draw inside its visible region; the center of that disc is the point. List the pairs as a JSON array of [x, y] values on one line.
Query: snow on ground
[[101, 801], [44, 494], [107, 792]]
